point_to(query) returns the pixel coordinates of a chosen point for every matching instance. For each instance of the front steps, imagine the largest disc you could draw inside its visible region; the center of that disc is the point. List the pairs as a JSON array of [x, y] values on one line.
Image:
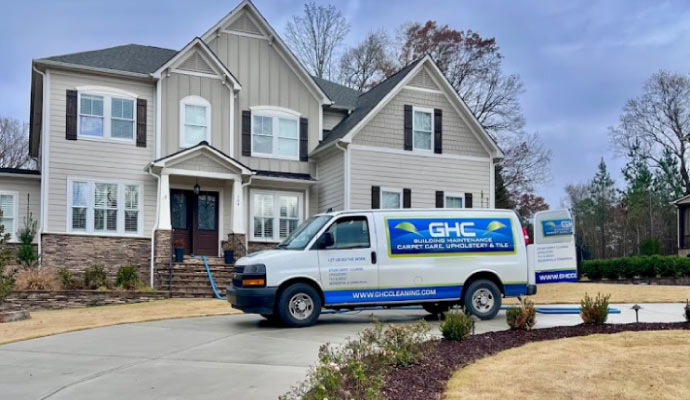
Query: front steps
[[189, 278]]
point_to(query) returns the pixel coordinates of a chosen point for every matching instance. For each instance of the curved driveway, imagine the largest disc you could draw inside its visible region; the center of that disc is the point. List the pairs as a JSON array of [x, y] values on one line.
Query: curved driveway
[[236, 357]]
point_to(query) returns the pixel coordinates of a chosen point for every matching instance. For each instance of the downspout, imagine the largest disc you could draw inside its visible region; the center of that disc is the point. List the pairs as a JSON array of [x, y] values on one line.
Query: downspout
[[155, 226], [43, 166], [246, 234], [346, 175]]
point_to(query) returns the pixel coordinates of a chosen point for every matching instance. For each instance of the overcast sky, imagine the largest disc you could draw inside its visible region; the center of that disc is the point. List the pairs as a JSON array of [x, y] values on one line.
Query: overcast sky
[[579, 60]]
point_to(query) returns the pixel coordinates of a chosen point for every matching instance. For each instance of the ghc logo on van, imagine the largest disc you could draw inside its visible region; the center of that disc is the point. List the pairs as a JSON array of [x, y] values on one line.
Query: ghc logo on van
[[419, 236]]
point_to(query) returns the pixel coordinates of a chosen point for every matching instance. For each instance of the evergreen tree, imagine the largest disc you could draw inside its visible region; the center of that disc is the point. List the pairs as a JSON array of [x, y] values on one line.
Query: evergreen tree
[[503, 198], [603, 195]]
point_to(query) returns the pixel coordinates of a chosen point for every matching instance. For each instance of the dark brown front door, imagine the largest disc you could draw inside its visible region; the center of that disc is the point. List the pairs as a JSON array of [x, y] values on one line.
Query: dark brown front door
[[195, 221]]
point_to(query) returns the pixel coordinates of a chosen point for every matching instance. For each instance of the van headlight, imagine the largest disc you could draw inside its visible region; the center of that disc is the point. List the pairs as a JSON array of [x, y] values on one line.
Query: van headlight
[[255, 269]]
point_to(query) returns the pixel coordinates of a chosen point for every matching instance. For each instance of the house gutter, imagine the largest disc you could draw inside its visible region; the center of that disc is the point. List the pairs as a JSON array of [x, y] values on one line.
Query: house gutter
[[155, 226], [43, 176]]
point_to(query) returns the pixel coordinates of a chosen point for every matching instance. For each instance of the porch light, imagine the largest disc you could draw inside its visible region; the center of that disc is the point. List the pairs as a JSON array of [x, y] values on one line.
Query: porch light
[[197, 188]]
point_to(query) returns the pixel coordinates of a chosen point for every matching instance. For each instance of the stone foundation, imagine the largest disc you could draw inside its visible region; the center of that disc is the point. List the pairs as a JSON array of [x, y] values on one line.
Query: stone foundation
[[79, 252], [258, 246], [236, 243], [53, 300], [162, 258]]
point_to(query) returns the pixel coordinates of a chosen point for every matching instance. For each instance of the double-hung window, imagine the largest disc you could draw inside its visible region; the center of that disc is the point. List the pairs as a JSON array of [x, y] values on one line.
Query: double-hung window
[[275, 214], [454, 200], [422, 128], [391, 198], [106, 116], [104, 207], [195, 121], [8, 218], [275, 133]]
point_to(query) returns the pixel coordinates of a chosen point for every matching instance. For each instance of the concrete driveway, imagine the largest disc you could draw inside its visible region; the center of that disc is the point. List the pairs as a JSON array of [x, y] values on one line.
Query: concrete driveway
[[236, 357]]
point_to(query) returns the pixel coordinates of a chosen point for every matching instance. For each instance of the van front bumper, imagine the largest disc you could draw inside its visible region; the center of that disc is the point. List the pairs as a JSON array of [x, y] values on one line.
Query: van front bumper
[[252, 300], [531, 290]]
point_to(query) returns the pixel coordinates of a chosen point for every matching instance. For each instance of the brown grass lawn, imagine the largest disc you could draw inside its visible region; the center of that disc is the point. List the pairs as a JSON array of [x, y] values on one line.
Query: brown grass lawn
[[51, 322], [572, 293], [623, 366]]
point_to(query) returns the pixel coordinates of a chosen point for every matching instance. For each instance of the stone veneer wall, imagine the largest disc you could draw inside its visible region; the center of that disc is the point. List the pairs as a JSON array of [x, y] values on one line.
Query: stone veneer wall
[[13, 247], [53, 300], [258, 246], [79, 252], [162, 258]]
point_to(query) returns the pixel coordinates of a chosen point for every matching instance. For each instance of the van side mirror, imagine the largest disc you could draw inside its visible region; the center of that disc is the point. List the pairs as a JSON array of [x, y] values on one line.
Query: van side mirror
[[325, 241]]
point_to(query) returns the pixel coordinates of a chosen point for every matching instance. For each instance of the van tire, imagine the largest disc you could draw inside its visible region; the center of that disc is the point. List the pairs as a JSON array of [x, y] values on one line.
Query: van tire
[[436, 308], [483, 299], [299, 306]]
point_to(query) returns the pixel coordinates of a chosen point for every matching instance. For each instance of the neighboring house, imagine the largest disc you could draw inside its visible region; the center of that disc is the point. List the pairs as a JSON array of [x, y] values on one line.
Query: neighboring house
[[683, 213], [230, 139]]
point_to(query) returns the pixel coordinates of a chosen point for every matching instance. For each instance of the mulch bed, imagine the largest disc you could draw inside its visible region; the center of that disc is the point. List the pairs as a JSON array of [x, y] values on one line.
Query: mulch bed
[[427, 380]]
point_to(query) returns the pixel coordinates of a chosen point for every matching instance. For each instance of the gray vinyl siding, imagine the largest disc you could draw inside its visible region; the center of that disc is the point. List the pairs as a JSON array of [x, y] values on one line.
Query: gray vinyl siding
[[386, 128], [331, 184], [178, 86], [331, 119], [24, 186], [424, 175], [267, 80], [90, 159]]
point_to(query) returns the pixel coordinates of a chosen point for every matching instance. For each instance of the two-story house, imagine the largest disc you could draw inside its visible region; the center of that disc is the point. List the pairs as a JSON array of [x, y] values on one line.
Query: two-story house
[[230, 139]]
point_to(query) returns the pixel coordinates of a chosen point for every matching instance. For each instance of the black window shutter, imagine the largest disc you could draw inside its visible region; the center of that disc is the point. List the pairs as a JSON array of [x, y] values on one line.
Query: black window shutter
[[407, 198], [246, 133], [440, 203], [303, 139], [468, 200], [71, 115], [408, 127], [438, 131], [375, 197], [141, 123]]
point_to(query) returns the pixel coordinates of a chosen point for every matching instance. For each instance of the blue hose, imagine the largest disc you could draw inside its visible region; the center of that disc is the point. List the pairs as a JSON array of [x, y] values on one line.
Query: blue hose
[[210, 278]]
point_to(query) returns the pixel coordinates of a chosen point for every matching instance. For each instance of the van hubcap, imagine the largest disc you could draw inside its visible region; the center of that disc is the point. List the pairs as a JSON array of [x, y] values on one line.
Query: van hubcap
[[483, 300], [301, 306]]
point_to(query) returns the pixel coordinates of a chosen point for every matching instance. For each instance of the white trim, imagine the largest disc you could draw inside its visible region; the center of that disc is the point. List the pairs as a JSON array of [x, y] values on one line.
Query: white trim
[[420, 154], [108, 97], [231, 133], [45, 142], [461, 195], [245, 34], [429, 111], [347, 163], [421, 89], [280, 179], [492, 185], [275, 113], [182, 154], [194, 100], [390, 190], [276, 211], [15, 213], [19, 176], [106, 90], [159, 113], [201, 174], [195, 73], [120, 227]]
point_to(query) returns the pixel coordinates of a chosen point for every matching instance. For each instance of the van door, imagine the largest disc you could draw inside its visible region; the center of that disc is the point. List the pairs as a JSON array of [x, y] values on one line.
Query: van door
[[348, 260]]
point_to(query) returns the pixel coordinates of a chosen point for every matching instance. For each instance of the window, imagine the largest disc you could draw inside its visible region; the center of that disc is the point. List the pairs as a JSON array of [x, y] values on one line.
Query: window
[[105, 116], [454, 200], [275, 214], [104, 207], [391, 198], [349, 233], [195, 121], [275, 132], [422, 129], [8, 219]]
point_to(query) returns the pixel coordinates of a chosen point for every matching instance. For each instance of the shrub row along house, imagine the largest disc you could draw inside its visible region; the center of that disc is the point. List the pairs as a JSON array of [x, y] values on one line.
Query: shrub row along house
[[229, 139]]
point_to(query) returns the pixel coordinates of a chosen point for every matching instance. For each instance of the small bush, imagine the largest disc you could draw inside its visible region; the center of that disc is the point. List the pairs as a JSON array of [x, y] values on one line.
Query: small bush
[[457, 325], [595, 310], [65, 276], [687, 311], [523, 317], [95, 277], [127, 277], [6, 277], [37, 279]]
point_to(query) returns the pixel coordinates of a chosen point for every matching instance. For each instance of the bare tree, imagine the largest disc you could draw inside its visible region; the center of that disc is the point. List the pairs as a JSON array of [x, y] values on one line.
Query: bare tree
[[316, 35], [14, 144], [658, 122], [526, 162], [366, 64]]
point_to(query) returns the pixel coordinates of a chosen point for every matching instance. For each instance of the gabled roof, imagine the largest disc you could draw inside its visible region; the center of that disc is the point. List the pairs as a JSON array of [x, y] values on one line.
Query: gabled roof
[[201, 146], [683, 200], [20, 171], [342, 96], [134, 58]]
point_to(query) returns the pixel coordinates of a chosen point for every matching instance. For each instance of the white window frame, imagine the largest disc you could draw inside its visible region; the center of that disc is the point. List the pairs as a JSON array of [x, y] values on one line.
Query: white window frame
[[428, 111], [194, 100], [108, 95], [453, 194], [15, 211], [275, 113], [276, 212], [120, 231], [391, 190]]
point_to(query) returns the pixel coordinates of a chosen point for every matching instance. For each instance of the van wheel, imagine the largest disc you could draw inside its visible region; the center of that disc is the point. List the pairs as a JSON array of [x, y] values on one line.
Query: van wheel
[[483, 299], [299, 305], [269, 317], [436, 308]]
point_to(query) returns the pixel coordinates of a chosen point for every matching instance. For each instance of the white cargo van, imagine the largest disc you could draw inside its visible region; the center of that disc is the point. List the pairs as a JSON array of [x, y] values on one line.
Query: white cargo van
[[348, 259]]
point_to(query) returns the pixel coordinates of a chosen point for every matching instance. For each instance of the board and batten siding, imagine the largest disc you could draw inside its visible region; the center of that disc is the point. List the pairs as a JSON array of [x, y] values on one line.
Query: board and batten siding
[[424, 175], [267, 80], [385, 129], [331, 184], [178, 86], [24, 186], [95, 159]]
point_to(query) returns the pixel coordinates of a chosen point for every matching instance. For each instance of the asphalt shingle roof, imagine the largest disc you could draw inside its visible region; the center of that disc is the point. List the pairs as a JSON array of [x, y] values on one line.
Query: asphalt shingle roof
[[130, 58], [342, 96]]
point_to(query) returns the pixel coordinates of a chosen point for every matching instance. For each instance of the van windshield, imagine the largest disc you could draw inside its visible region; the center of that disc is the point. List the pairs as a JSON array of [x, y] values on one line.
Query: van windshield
[[300, 237]]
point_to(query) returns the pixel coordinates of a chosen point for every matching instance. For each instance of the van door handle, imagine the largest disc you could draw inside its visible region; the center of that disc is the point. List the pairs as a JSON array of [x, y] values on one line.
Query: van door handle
[[373, 257]]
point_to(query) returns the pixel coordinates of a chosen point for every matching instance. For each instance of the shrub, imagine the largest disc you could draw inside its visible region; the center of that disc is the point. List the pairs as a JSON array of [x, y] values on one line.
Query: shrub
[[638, 266], [95, 277], [127, 277], [26, 254], [6, 277], [65, 276], [650, 247], [523, 317], [37, 279], [595, 310], [687, 310], [457, 325]]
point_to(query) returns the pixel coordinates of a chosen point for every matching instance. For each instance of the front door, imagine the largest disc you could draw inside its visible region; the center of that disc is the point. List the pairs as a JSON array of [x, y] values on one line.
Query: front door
[[195, 221]]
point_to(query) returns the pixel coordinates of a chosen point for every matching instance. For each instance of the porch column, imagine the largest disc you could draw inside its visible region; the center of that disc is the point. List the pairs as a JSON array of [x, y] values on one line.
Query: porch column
[[238, 220], [164, 202]]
